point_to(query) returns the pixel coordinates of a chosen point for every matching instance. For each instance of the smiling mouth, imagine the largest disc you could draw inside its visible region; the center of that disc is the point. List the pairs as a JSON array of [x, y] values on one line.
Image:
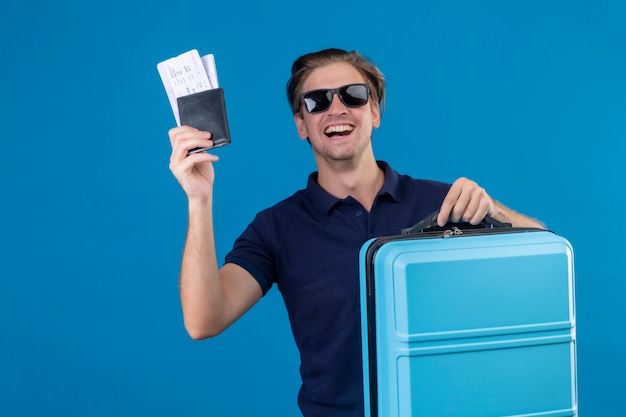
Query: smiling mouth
[[338, 130]]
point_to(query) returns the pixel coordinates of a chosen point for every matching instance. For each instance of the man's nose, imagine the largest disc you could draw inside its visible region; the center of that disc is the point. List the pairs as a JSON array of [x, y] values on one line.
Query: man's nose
[[336, 106]]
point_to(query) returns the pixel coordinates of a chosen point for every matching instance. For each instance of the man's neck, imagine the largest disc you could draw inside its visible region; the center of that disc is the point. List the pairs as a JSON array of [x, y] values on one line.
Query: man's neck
[[362, 180]]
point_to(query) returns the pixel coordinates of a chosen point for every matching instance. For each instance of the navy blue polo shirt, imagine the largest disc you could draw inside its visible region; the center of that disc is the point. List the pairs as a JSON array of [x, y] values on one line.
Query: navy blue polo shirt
[[308, 245]]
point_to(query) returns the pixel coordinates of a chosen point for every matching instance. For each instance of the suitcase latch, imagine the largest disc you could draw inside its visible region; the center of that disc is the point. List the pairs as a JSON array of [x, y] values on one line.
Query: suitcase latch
[[451, 232]]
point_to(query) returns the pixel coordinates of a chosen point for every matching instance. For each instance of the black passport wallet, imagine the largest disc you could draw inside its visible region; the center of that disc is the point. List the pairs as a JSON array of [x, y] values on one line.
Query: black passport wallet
[[206, 111]]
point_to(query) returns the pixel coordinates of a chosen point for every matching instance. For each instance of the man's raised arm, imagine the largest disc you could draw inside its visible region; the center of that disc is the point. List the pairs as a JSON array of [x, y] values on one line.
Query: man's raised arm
[[211, 298]]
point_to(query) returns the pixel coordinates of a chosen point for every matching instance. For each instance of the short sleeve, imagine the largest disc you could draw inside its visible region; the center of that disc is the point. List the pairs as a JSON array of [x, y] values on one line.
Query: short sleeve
[[252, 251]]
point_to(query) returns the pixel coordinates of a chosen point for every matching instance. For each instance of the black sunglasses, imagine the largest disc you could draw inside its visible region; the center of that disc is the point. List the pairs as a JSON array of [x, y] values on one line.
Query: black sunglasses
[[352, 95]]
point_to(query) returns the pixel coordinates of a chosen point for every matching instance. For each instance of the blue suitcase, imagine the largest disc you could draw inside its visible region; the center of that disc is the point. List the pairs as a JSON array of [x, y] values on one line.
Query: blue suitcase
[[471, 322]]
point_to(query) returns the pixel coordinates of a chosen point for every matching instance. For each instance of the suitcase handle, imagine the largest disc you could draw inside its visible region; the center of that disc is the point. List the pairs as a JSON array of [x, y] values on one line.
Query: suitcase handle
[[430, 223]]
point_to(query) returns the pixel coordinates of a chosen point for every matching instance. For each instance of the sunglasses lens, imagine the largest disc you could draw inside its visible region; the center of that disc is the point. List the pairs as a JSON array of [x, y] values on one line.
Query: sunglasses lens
[[316, 101], [354, 95]]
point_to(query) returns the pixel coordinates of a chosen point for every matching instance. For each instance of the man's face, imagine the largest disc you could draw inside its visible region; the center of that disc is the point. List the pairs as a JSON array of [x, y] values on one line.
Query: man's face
[[340, 133]]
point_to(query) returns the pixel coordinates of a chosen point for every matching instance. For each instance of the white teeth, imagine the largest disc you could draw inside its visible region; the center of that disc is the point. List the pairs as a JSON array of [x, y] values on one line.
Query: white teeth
[[338, 129]]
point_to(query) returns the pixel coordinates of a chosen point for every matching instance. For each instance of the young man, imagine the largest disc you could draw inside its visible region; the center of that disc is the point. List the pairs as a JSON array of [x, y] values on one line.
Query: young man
[[308, 244]]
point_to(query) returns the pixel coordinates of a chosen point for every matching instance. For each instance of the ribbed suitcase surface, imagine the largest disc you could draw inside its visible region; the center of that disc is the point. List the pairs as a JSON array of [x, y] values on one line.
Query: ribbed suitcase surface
[[474, 325]]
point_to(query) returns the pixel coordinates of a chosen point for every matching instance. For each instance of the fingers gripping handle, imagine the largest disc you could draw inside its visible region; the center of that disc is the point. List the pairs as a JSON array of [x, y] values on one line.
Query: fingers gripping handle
[[430, 222]]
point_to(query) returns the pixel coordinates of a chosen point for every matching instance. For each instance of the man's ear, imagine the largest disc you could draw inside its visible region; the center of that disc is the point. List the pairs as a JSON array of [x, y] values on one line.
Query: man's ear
[[375, 115], [302, 130]]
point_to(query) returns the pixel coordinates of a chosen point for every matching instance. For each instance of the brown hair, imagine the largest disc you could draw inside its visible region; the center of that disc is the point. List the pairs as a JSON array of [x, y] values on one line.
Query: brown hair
[[303, 66]]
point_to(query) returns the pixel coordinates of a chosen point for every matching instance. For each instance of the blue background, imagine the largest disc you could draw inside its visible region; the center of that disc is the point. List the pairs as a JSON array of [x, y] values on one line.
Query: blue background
[[527, 98]]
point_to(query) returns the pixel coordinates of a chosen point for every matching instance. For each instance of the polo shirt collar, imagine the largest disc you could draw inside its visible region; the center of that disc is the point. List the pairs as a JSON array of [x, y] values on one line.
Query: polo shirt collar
[[324, 202]]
